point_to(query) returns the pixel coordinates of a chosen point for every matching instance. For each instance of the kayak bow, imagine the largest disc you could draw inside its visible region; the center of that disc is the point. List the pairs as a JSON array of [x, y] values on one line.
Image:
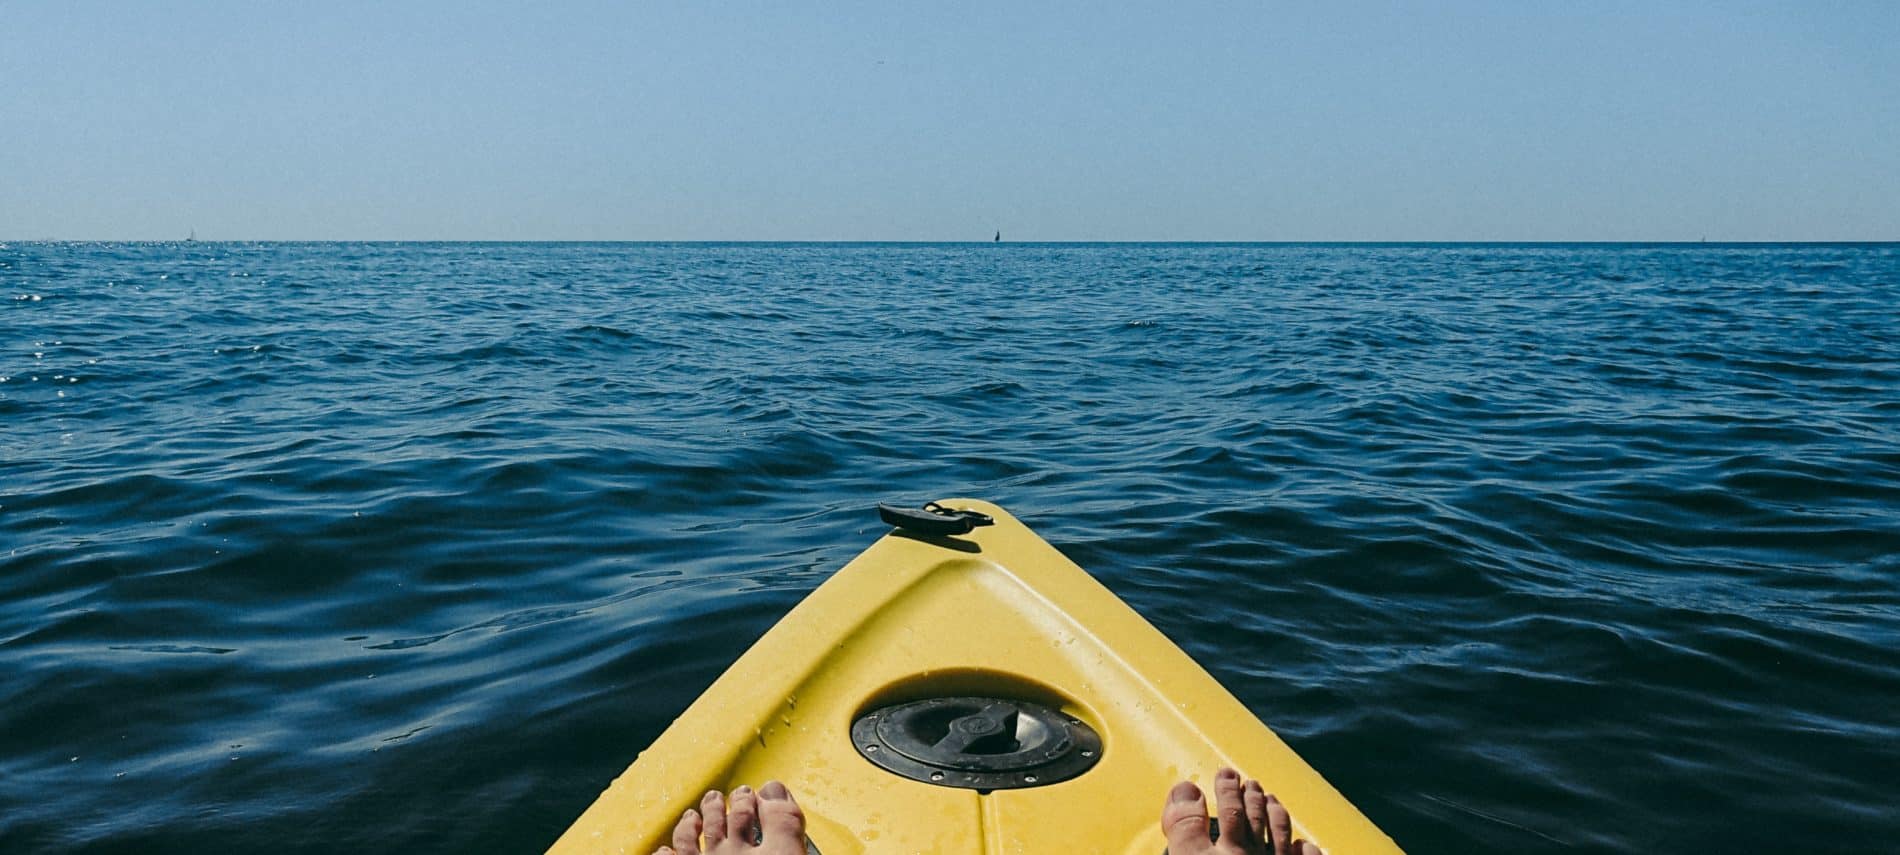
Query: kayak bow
[[964, 694]]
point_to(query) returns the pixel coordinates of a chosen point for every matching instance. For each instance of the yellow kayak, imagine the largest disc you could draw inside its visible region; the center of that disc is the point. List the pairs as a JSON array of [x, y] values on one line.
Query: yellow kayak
[[959, 692]]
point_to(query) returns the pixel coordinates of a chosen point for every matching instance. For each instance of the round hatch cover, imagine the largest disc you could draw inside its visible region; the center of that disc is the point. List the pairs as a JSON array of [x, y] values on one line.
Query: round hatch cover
[[977, 743]]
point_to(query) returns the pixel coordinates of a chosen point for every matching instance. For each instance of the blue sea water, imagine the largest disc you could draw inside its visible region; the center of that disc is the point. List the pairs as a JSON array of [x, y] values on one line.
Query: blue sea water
[[379, 547]]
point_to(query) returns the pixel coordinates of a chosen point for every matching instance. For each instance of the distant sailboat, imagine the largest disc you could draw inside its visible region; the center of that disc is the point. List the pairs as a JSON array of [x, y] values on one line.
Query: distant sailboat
[[999, 238], [193, 237]]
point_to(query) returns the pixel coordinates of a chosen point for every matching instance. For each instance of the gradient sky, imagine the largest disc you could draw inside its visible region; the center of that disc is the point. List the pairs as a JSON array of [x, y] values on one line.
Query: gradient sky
[[712, 120]]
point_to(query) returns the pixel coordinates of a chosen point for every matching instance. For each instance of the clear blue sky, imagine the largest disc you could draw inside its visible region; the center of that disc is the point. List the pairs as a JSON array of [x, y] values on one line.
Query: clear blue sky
[[705, 119]]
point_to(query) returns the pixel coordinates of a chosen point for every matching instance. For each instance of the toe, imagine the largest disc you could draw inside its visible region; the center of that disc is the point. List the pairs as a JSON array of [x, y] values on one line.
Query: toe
[[1232, 812], [780, 818], [742, 816], [686, 833], [713, 807], [1184, 820], [1309, 849], [1280, 827], [1256, 802]]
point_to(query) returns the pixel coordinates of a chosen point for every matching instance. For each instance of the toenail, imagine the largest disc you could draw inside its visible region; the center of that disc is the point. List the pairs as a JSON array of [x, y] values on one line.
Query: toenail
[[773, 790]]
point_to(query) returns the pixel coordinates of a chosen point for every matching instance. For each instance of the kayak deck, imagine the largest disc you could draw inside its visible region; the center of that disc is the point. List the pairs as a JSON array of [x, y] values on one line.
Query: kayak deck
[[999, 613]]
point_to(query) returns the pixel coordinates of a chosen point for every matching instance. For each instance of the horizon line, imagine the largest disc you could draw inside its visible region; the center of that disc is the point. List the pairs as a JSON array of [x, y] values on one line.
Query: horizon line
[[990, 242]]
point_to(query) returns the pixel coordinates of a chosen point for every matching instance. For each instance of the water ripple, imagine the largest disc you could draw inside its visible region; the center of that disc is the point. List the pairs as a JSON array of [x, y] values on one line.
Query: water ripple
[[414, 546]]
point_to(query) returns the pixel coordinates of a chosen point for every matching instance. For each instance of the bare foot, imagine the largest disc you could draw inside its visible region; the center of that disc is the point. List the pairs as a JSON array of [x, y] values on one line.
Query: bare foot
[[1251, 820], [731, 826]]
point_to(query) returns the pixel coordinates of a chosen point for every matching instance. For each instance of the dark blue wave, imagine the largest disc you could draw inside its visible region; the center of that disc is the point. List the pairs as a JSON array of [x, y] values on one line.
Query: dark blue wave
[[320, 547]]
